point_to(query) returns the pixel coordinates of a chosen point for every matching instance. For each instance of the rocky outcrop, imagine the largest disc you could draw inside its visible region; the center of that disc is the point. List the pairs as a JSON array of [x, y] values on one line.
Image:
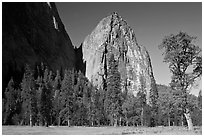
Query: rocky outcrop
[[113, 36], [33, 33], [80, 65]]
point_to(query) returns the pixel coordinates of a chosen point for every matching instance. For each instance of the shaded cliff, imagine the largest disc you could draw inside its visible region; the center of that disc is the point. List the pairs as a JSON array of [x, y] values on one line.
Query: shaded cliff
[[80, 64], [113, 36], [33, 33]]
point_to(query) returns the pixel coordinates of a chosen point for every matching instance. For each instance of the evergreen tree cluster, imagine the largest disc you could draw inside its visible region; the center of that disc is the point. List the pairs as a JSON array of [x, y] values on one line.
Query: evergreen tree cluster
[[170, 110], [68, 98], [45, 98]]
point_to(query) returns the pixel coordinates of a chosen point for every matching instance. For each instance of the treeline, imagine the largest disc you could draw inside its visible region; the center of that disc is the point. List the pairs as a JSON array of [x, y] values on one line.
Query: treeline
[[68, 98], [170, 107]]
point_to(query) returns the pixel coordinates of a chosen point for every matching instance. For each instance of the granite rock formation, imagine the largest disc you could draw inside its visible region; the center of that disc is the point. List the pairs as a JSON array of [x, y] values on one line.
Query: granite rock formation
[[113, 36], [33, 33]]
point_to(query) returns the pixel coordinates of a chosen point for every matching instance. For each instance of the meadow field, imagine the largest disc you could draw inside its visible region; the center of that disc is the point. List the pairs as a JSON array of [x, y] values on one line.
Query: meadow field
[[63, 130]]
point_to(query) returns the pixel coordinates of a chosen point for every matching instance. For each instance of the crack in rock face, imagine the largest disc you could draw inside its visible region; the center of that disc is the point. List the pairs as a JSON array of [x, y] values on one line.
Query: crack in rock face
[[113, 36]]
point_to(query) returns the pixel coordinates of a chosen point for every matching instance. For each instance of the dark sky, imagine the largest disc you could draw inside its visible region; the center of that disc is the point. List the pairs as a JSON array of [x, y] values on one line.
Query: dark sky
[[150, 22]]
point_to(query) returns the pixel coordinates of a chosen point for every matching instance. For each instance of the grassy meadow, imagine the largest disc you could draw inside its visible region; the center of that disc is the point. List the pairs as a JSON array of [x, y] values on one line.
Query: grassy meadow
[[63, 130]]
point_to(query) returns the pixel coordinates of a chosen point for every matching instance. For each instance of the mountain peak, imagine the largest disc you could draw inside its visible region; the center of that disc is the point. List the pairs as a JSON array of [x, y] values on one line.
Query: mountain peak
[[116, 18], [115, 14], [114, 36]]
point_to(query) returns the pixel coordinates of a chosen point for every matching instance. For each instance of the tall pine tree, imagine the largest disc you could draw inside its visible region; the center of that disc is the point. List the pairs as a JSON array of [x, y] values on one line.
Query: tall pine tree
[[28, 95], [154, 102], [56, 101], [113, 93], [10, 102], [46, 98], [66, 97], [142, 100]]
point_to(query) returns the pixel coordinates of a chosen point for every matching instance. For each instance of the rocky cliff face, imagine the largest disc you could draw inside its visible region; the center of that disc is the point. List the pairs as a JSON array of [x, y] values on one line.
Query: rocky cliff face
[[113, 36], [33, 33], [80, 65]]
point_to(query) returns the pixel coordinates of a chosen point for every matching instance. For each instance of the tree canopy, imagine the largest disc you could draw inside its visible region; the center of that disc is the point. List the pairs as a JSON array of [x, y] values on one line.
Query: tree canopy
[[182, 55]]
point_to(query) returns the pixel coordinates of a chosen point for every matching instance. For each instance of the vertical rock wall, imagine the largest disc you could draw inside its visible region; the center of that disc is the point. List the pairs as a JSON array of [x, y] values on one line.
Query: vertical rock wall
[[113, 36], [33, 33]]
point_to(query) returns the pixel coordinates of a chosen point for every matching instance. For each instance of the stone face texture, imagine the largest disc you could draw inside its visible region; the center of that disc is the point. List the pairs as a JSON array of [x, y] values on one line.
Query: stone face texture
[[33, 33], [113, 36]]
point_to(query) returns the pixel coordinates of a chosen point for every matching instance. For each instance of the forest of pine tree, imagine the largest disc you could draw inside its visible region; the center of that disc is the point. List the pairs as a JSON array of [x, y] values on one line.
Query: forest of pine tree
[[68, 98]]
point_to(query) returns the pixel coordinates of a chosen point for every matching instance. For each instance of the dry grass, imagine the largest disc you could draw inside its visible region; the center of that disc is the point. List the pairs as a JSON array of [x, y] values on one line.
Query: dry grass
[[26, 130]]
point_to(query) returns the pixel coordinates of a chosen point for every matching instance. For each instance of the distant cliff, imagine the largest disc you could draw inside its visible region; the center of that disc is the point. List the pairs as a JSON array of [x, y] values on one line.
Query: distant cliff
[[80, 64], [33, 33], [113, 36]]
